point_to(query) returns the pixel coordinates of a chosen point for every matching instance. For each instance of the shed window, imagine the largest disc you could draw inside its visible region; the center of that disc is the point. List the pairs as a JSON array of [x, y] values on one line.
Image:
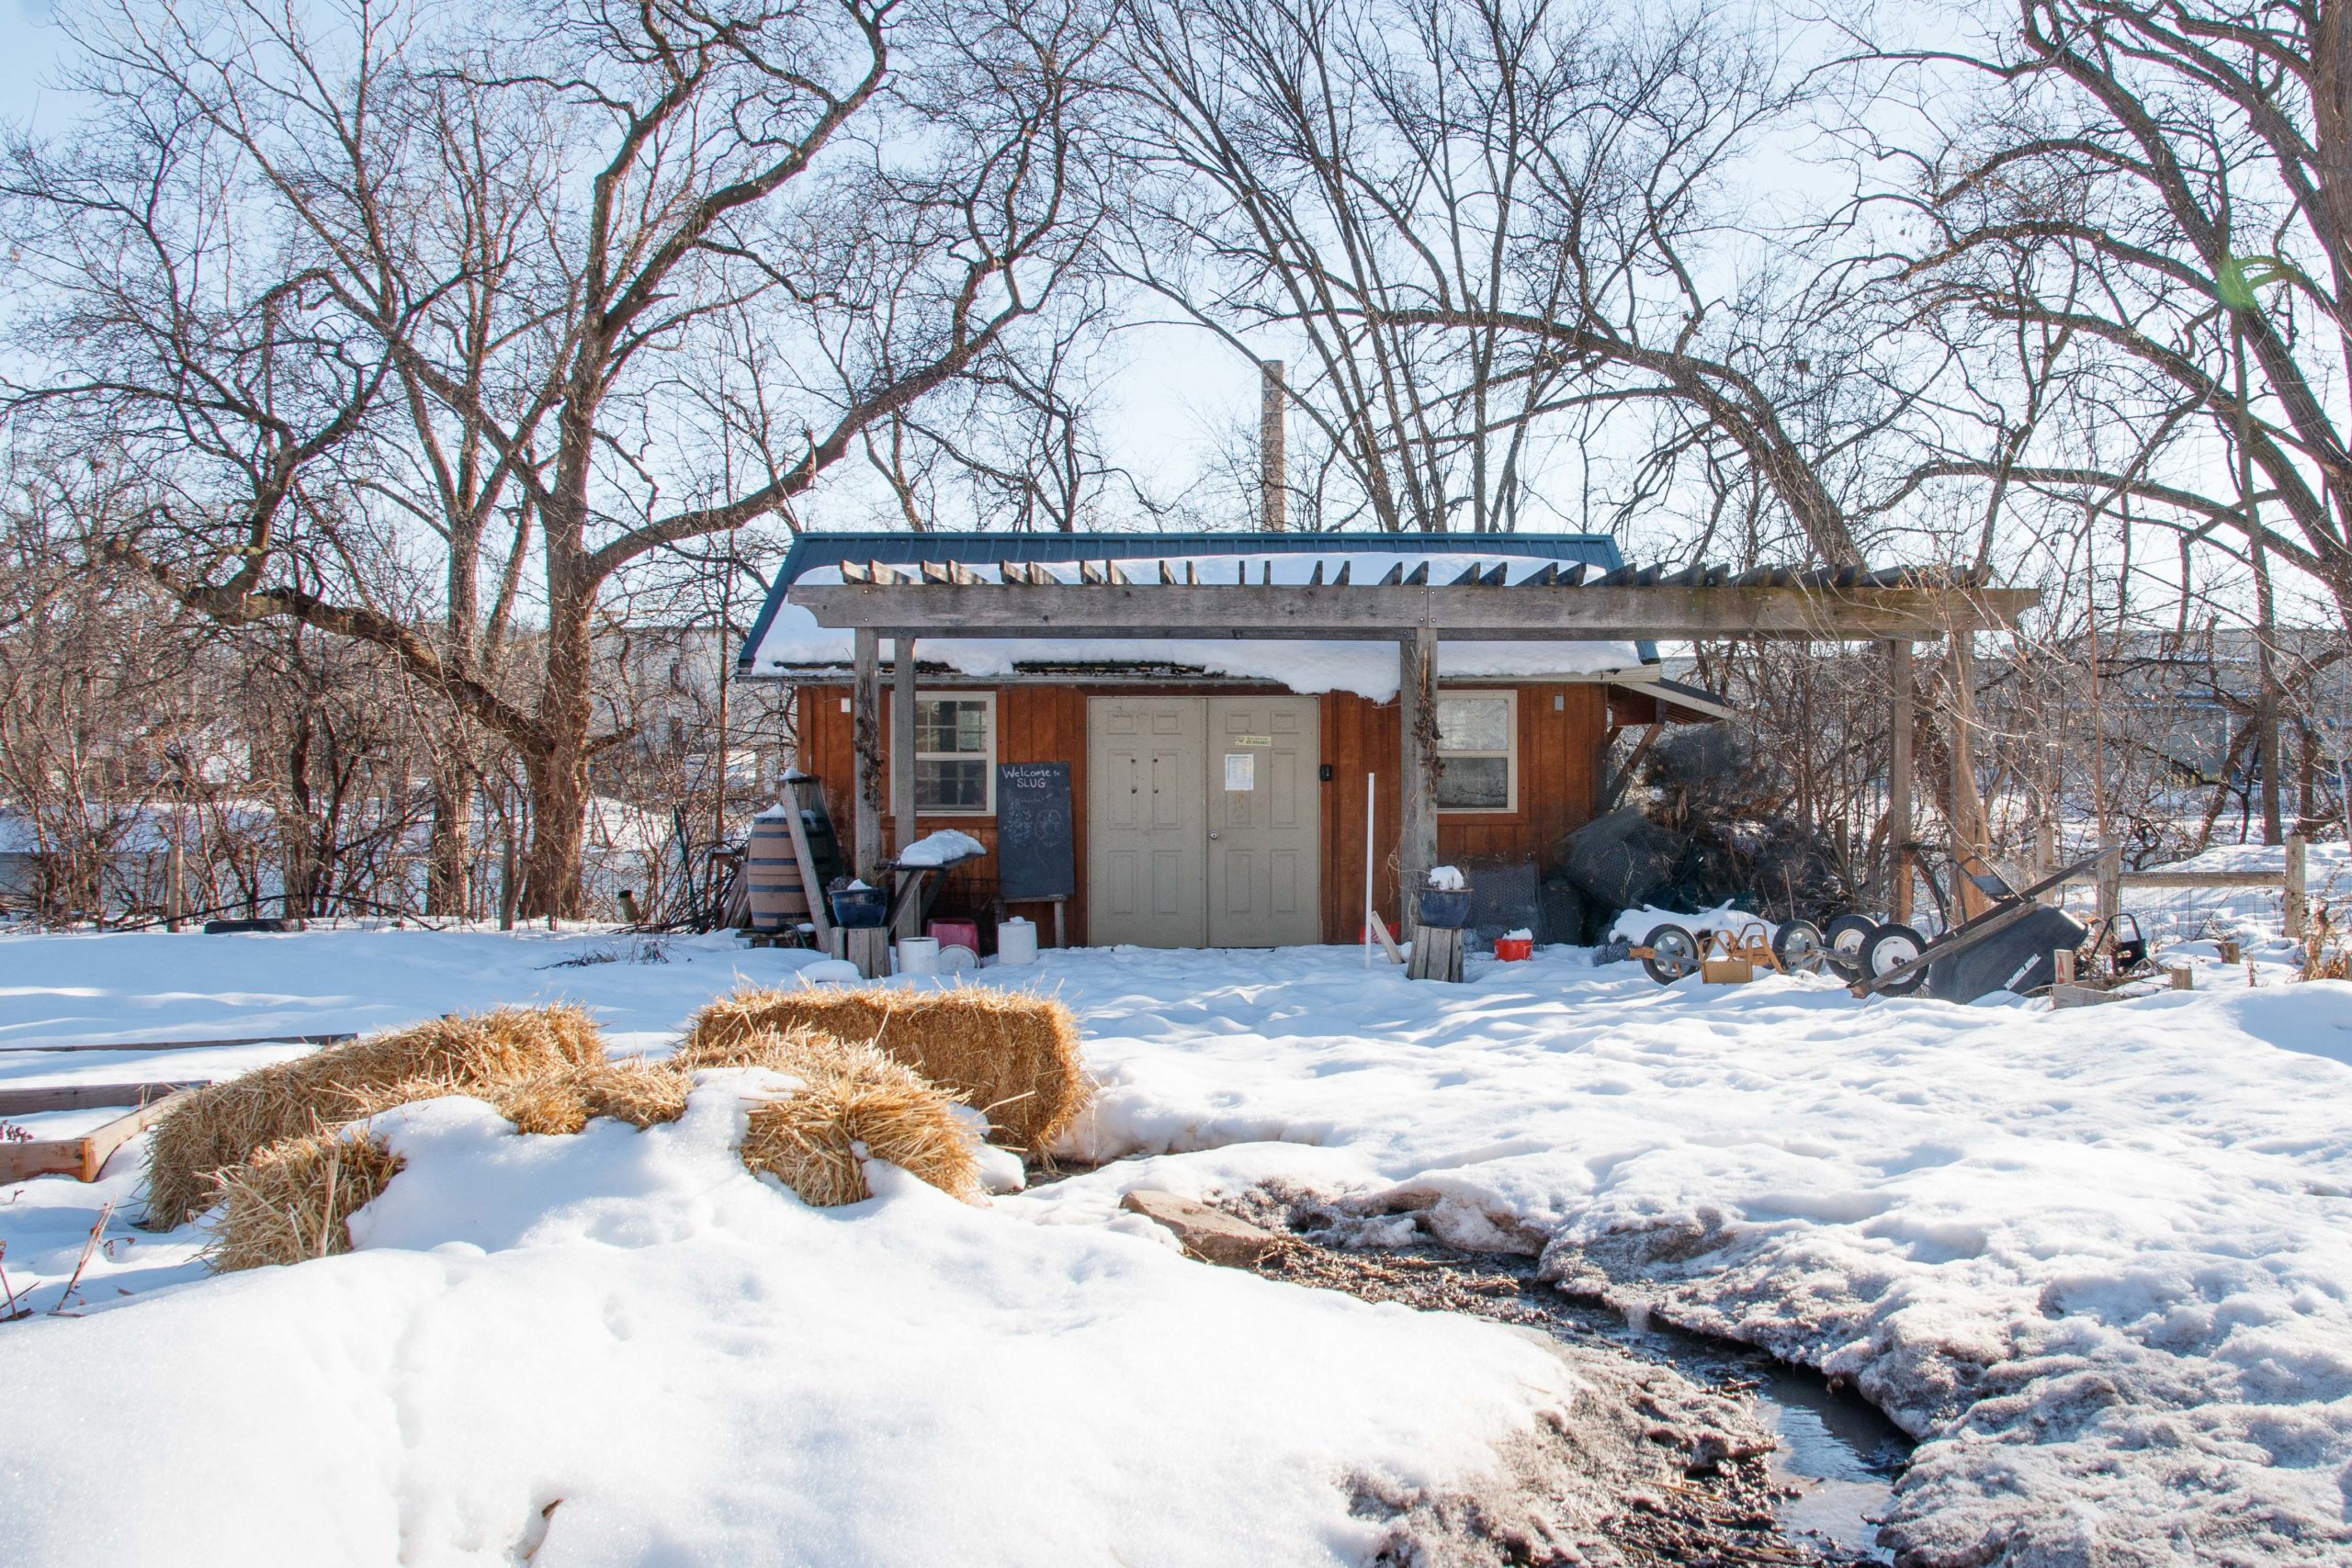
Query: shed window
[[956, 754], [1477, 744]]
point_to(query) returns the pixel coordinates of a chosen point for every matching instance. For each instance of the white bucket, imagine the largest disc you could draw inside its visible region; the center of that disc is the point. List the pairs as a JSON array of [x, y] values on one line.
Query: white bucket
[[1016, 941], [918, 955]]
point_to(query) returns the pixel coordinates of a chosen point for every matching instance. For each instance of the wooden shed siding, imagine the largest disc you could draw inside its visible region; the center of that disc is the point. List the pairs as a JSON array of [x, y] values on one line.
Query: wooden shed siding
[[1559, 756]]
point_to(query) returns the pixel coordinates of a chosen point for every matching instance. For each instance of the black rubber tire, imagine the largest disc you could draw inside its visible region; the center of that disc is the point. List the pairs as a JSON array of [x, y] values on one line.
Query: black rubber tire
[[1799, 946], [1891, 946], [1674, 953], [1844, 940]]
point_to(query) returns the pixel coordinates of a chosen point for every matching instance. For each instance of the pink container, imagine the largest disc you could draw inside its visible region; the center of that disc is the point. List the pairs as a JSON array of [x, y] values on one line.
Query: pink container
[[958, 933]]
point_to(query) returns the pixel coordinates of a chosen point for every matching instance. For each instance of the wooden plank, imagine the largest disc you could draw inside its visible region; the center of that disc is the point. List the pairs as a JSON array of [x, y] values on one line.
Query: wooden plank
[[2298, 875], [1625, 612], [335, 1039], [1899, 831], [83, 1157], [1437, 954], [902, 765], [1417, 764], [819, 911], [40, 1098], [1387, 943], [866, 742]]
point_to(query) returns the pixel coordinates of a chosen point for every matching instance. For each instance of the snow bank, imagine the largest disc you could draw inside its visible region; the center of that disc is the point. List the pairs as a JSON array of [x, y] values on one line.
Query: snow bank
[[1632, 925], [620, 1348], [2099, 1260]]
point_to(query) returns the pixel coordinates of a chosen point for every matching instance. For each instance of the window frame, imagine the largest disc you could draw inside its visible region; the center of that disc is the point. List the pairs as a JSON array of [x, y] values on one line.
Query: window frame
[[1509, 754], [950, 694]]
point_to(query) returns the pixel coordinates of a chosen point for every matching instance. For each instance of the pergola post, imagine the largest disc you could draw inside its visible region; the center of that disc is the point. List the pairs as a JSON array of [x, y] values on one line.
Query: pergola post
[[1898, 781], [866, 741], [1417, 772], [1967, 815], [902, 764]]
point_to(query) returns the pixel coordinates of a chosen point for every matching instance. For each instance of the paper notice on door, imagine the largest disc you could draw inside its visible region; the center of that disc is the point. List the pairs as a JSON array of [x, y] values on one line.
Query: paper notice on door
[[1241, 769]]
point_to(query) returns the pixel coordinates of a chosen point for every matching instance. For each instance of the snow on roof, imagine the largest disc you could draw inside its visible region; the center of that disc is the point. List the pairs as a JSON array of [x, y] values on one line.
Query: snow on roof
[[789, 637]]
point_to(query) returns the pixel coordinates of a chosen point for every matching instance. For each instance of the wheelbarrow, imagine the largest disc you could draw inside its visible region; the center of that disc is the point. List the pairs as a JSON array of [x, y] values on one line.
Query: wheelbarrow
[[2006, 948]]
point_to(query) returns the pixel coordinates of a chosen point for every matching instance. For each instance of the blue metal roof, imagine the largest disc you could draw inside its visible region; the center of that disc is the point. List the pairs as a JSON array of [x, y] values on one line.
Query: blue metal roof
[[811, 551]]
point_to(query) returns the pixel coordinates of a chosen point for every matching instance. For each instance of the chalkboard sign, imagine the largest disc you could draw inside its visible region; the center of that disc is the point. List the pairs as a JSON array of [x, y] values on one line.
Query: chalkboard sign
[[1033, 831]]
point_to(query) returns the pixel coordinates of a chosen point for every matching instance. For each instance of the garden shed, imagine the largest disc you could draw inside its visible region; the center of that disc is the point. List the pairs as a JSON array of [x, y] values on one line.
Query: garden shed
[[1223, 708]]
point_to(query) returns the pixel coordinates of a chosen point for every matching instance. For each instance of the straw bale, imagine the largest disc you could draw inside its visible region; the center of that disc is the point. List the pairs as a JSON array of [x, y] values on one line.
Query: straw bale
[[1008, 1054], [853, 1094], [216, 1128], [639, 1093], [294, 1199]]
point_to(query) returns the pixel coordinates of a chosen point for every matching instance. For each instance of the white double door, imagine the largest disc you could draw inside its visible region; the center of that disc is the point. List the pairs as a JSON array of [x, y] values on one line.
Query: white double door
[[1202, 819]]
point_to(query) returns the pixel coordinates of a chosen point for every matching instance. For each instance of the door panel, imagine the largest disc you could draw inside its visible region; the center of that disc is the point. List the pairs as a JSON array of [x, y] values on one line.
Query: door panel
[[1147, 822], [1263, 851]]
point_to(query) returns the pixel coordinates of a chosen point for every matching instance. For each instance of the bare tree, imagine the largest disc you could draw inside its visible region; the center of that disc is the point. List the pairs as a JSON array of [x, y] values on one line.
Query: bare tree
[[371, 293]]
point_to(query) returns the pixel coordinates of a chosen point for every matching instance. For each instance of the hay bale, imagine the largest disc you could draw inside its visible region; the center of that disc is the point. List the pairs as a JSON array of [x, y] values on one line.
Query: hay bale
[[294, 1199], [853, 1094], [564, 1101], [219, 1127], [1008, 1054]]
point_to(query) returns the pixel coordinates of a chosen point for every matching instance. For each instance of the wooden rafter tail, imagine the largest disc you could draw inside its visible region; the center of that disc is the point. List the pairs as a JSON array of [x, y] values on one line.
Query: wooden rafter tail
[[1010, 574], [1687, 577], [1395, 575], [1572, 575], [1091, 575], [1113, 575], [936, 573], [1167, 575], [1266, 576], [1543, 576], [1340, 578], [964, 576], [1418, 577], [1497, 576], [1468, 579], [884, 577], [1192, 574], [1617, 577], [1314, 578], [852, 572]]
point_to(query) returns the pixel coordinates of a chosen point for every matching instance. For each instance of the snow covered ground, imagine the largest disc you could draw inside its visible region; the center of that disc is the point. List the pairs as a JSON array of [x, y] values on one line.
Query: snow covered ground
[[2099, 1260]]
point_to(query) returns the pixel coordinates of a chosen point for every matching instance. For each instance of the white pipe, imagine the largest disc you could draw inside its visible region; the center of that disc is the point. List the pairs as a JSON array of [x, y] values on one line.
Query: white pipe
[[1370, 798]]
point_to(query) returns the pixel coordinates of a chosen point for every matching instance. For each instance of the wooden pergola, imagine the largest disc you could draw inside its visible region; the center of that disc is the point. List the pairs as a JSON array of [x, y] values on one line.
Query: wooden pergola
[[1898, 606]]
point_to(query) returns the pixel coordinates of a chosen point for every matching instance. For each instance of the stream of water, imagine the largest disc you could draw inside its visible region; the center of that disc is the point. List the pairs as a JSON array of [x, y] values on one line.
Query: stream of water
[[1838, 1451]]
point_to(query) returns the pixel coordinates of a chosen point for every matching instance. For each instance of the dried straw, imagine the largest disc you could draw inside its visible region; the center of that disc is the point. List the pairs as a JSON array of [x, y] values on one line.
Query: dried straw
[[639, 1093], [1011, 1055], [851, 1094], [216, 1128], [294, 1199]]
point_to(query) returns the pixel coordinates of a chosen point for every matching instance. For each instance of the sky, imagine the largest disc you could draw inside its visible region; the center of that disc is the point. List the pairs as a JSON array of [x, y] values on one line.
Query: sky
[[28, 50]]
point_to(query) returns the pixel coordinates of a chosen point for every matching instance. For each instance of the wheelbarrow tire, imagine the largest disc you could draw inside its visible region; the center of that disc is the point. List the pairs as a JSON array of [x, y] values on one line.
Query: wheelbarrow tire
[[1799, 947], [1890, 947], [1673, 952], [1844, 940]]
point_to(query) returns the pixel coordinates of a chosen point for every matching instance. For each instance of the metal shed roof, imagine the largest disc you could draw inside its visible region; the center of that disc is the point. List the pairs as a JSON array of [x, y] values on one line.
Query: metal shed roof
[[815, 550]]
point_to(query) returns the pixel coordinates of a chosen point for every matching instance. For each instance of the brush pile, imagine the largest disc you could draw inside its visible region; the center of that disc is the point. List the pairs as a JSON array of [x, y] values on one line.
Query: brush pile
[[281, 1153], [1011, 1056]]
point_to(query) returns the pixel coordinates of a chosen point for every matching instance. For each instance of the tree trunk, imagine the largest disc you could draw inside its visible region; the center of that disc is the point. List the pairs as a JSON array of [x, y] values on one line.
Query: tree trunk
[[450, 846], [558, 767]]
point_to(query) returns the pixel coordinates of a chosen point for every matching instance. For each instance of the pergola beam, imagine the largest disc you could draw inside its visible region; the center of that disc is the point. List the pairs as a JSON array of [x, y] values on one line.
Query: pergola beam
[[1458, 612]]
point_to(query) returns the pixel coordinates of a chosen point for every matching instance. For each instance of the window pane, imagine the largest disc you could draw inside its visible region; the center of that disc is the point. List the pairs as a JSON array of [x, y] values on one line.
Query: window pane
[[1469, 783], [1473, 723], [951, 723], [951, 785]]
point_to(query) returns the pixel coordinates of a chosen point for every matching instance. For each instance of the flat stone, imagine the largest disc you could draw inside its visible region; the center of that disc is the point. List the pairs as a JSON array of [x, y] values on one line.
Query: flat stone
[[1210, 1234]]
